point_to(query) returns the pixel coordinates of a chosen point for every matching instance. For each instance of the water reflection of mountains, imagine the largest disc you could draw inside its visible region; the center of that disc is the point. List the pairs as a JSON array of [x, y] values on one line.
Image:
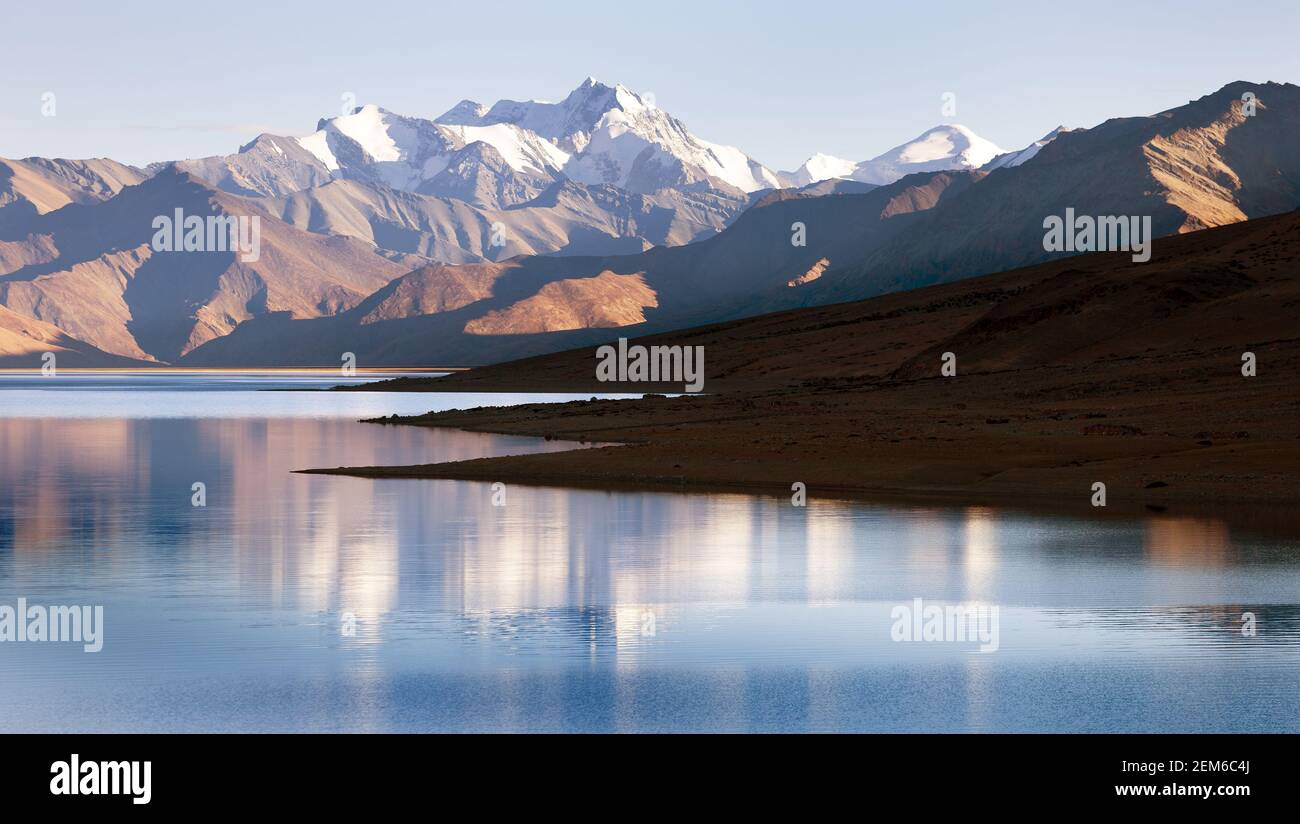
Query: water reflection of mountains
[[552, 562]]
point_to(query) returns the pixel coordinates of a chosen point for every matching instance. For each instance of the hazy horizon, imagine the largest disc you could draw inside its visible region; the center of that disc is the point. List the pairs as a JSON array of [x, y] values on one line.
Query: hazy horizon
[[168, 83]]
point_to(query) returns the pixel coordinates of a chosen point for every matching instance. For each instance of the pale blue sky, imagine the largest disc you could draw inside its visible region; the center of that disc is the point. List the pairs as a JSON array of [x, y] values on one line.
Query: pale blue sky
[[144, 81]]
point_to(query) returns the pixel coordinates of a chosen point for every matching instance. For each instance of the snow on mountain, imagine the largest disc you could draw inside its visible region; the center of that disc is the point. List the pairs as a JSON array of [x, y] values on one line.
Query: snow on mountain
[[318, 144], [1010, 159], [598, 135], [568, 124], [941, 149], [817, 168], [376, 133], [463, 113], [520, 148], [614, 136], [406, 152]]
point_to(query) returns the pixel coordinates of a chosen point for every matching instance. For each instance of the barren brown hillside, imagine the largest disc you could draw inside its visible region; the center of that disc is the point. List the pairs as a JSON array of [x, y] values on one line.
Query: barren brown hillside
[[91, 271], [1090, 369]]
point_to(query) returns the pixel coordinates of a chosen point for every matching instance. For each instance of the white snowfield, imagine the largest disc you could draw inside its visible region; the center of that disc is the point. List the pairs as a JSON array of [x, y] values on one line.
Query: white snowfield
[[318, 145], [610, 134], [943, 148], [598, 134], [375, 133], [613, 135], [522, 150], [820, 167]]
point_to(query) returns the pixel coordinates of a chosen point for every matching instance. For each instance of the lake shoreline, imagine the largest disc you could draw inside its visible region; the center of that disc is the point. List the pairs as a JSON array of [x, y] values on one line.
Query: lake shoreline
[[1172, 383], [1265, 518], [888, 442]]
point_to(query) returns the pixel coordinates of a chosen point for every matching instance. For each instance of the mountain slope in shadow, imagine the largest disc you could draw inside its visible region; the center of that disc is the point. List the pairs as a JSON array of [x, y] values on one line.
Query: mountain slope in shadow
[[412, 322], [1088, 370], [90, 269]]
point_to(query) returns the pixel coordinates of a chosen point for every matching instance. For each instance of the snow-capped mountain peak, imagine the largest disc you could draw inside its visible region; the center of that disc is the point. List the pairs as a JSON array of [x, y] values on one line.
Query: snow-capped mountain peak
[[817, 168], [372, 143], [376, 132], [598, 134], [567, 123], [942, 148], [613, 135], [464, 113]]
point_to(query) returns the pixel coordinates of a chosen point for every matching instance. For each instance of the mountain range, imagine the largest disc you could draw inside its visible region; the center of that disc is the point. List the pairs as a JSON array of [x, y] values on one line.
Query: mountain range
[[943, 148], [523, 227]]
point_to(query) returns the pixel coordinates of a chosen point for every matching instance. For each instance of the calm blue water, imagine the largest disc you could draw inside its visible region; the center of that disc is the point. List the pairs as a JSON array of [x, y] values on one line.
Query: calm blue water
[[295, 602]]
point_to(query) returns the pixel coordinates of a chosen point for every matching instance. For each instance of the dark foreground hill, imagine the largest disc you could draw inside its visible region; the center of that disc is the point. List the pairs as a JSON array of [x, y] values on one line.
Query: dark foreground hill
[[1090, 369]]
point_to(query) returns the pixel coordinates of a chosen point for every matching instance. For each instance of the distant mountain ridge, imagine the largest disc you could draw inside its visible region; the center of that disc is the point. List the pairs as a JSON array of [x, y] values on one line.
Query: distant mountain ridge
[[509, 154], [947, 148], [673, 187], [610, 134], [38, 185], [528, 259], [91, 270], [1204, 164], [598, 134]]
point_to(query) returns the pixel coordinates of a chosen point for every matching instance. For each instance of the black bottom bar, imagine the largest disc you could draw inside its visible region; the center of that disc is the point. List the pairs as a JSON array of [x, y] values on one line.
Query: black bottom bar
[[494, 774]]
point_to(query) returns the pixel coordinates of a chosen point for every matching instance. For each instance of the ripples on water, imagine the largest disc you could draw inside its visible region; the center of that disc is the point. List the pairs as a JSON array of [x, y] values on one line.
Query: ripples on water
[[575, 610]]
